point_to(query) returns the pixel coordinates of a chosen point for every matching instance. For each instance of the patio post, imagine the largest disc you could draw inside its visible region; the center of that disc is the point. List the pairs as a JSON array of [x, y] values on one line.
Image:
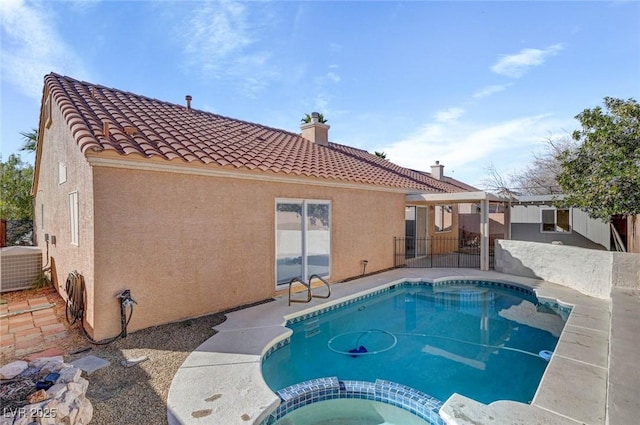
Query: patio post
[[484, 234], [507, 220]]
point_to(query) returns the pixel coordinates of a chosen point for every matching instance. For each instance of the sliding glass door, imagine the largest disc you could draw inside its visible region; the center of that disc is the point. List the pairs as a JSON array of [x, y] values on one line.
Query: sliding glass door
[[303, 239]]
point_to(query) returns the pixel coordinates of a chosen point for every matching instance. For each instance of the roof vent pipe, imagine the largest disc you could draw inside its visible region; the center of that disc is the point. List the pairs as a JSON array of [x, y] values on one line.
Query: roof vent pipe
[[437, 171], [188, 98]]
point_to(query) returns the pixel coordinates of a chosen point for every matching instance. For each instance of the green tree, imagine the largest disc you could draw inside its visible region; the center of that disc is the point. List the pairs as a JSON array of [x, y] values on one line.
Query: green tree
[[307, 119], [29, 140], [15, 186], [602, 176]]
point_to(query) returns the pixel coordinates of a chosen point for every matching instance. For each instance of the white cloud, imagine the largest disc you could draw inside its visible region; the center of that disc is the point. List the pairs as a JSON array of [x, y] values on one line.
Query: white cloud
[[32, 47], [489, 90], [468, 148], [221, 41], [332, 76], [515, 66], [323, 93], [449, 115]]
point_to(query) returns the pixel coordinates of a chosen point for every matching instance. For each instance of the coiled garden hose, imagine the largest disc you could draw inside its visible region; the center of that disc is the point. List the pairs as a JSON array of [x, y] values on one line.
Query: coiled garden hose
[[75, 308]]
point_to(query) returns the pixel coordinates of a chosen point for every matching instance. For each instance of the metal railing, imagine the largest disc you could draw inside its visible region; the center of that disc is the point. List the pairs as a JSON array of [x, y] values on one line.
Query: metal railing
[[308, 288], [439, 252], [306, 285], [315, 276]]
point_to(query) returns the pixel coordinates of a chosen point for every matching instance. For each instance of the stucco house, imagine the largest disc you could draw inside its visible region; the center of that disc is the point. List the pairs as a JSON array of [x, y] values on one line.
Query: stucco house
[[196, 212]]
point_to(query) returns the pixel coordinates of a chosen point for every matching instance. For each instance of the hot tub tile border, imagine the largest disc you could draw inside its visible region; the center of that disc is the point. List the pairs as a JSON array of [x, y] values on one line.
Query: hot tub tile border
[[321, 389]]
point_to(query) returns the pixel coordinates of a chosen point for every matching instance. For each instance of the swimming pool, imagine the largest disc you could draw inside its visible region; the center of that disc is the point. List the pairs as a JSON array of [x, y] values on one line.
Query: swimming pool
[[477, 338]]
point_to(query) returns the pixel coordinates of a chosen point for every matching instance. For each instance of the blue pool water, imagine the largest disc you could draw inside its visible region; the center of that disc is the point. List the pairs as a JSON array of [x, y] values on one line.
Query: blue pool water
[[478, 340]]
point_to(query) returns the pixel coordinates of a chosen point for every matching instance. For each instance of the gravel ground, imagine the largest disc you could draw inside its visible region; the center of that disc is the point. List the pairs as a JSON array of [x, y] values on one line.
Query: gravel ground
[[138, 394]]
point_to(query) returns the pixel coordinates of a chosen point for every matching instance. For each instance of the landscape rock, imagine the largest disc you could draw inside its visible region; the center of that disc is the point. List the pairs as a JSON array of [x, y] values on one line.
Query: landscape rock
[[41, 361], [65, 403], [37, 397], [13, 369], [70, 374]]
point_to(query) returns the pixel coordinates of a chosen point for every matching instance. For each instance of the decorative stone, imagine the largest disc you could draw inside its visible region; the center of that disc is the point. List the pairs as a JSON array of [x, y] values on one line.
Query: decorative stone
[[37, 397], [23, 420], [57, 390], [73, 414], [69, 374], [86, 412], [13, 369], [6, 420], [41, 361], [65, 403], [46, 420], [63, 409], [78, 387], [51, 367]]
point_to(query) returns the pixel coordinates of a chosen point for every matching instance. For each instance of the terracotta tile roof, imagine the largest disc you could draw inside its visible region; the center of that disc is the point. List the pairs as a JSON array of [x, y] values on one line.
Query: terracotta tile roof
[[153, 128]]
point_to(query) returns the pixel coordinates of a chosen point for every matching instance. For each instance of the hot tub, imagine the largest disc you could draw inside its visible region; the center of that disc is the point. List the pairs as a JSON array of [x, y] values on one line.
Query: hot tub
[[350, 411]]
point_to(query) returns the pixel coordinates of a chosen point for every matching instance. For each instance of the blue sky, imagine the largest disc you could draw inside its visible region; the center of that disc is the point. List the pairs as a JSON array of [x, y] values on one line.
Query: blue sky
[[470, 84]]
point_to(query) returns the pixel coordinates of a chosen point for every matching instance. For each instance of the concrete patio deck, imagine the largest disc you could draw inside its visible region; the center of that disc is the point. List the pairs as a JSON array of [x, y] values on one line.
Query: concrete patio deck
[[591, 379]]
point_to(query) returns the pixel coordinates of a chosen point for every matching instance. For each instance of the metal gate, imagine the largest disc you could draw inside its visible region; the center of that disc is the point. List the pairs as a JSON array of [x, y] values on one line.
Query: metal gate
[[439, 252]]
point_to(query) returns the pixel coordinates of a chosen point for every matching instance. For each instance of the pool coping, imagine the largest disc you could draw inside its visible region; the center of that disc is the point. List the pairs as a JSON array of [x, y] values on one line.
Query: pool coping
[[221, 381]]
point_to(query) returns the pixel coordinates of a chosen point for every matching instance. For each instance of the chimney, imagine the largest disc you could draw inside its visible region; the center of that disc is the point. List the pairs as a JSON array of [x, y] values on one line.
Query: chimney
[[437, 171], [315, 131], [188, 98]]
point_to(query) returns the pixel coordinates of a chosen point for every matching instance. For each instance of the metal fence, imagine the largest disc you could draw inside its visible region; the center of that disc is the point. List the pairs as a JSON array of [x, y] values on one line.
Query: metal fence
[[439, 252], [16, 232]]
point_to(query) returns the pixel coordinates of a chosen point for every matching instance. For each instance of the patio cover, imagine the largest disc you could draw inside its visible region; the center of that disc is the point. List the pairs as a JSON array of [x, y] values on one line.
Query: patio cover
[[481, 197]]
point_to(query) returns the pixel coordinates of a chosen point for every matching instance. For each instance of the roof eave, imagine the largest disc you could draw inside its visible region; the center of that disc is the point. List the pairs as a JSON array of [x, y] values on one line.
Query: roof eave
[[456, 197]]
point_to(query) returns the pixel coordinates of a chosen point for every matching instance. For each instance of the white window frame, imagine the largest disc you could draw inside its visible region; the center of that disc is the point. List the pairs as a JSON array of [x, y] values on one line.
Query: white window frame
[[73, 218], [555, 220], [305, 268]]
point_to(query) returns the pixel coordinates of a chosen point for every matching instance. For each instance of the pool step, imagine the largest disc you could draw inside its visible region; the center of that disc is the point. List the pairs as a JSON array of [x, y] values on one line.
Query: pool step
[[312, 328]]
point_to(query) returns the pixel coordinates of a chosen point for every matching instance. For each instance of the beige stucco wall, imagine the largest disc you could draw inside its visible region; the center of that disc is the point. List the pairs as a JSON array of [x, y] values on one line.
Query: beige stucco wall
[[52, 205], [592, 272], [188, 245]]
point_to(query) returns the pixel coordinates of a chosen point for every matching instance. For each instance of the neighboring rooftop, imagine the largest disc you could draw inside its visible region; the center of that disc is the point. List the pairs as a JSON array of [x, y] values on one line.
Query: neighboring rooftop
[[103, 119]]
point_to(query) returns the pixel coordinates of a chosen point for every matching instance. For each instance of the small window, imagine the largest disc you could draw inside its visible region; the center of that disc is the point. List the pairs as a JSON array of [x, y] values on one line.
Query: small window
[[443, 218], [556, 220], [73, 217], [62, 173]]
